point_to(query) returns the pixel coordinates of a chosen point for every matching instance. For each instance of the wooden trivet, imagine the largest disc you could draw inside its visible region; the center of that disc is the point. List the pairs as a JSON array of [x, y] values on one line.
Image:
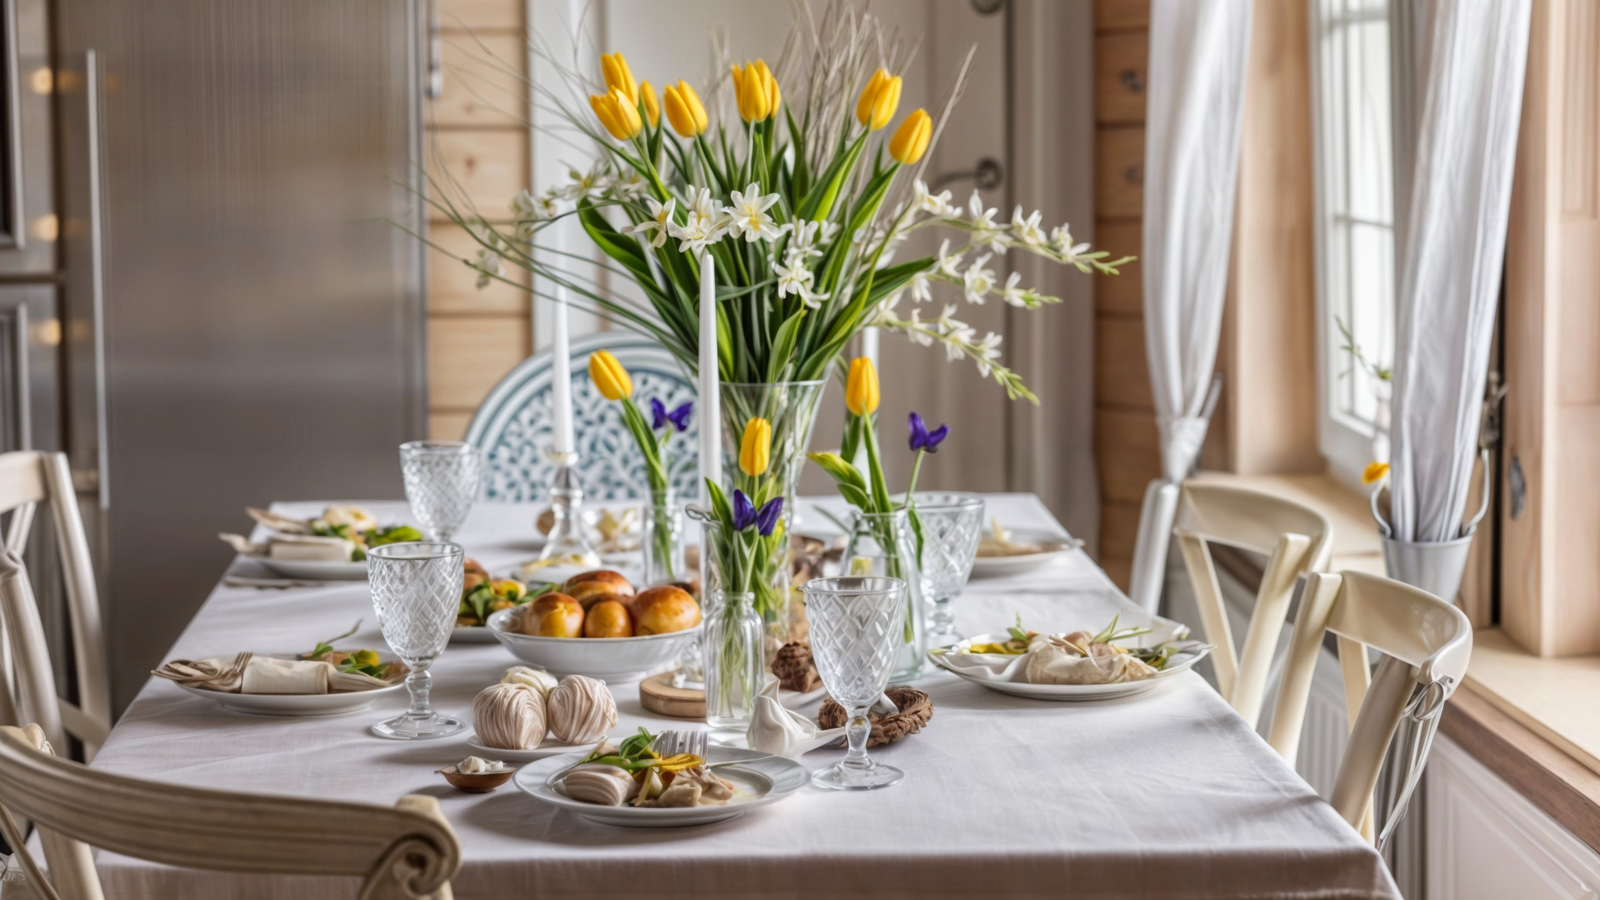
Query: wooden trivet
[[657, 694]]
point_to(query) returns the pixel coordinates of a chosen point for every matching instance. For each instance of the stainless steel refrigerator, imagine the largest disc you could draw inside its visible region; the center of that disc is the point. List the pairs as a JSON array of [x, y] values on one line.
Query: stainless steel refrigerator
[[203, 298]]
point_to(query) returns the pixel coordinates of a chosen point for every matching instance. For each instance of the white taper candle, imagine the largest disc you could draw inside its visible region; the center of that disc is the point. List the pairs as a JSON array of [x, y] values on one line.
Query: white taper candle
[[561, 377], [710, 412]]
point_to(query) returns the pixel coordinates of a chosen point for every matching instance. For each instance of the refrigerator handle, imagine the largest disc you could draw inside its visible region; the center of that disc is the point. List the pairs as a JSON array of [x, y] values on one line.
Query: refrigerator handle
[[94, 481]]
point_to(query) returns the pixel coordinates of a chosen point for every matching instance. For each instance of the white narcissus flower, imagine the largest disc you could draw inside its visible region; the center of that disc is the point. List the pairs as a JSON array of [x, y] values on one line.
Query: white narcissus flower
[[1011, 293], [921, 288], [660, 218], [1061, 238], [949, 264], [804, 238], [917, 330], [583, 185], [700, 226], [794, 277], [978, 281], [629, 184], [748, 214], [488, 266], [984, 228], [936, 205], [1027, 229], [988, 351]]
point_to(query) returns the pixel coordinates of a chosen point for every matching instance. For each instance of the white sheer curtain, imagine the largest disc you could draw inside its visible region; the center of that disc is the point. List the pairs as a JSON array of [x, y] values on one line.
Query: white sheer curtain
[[1471, 61], [1195, 108]]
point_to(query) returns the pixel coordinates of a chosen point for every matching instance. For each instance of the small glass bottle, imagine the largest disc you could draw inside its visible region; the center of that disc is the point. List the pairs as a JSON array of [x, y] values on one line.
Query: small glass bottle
[[884, 544], [735, 666], [663, 539]]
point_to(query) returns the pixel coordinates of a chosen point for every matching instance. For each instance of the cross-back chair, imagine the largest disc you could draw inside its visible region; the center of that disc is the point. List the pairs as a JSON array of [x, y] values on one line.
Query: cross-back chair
[[404, 852], [27, 479], [1426, 644], [1296, 540]]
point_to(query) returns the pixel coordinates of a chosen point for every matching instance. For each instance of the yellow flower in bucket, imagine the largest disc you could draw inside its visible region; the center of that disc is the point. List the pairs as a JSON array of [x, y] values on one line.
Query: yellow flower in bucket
[[757, 91], [861, 387], [609, 377], [684, 109], [879, 99], [652, 109], [911, 139], [1374, 472], [617, 113], [755, 449], [618, 76]]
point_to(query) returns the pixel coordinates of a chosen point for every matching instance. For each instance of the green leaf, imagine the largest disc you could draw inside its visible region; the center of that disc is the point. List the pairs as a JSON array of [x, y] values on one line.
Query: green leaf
[[819, 202], [783, 345]]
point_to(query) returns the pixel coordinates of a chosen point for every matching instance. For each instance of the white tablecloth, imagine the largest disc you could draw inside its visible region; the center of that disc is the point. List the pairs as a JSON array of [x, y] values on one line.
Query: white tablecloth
[[1166, 795]]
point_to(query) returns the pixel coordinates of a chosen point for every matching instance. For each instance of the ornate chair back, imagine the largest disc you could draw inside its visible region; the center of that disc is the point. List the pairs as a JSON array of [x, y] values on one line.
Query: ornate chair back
[[513, 425], [1426, 644], [407, 851], [28, 478], [1296, 540]]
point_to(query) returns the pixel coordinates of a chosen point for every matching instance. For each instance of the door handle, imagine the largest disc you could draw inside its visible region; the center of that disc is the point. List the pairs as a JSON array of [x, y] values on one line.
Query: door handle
[[986, 176]]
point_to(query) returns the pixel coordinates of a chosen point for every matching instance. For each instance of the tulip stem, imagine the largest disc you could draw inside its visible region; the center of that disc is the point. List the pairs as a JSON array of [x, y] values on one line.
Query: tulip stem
[[916, 469]]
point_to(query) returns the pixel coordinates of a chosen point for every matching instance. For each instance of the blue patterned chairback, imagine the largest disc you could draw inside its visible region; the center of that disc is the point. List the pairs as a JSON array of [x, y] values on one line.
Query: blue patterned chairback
[[513, 426]]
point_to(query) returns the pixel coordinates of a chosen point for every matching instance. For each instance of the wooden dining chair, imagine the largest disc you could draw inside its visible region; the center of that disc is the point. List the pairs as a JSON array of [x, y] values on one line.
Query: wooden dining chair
[[1295, 539], [1425, 643], [27, 479], [405, 852]]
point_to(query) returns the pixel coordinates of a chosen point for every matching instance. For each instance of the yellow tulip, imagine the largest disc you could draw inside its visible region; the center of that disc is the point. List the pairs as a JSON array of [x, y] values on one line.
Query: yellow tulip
[[911, 139], [609, 377], [879, 99], [861, 387], [684, 109], [651, 108], [618, 76], [757, 91], [1374, 472], [617, 113], [755, 450]]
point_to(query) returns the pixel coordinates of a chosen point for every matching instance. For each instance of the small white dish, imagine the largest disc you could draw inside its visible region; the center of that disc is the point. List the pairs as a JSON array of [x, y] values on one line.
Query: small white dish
[[550, 747], [995, 675], [1053, 545], [473, 634], [759, 779], [609, 659], [297, 704], [316, 569]]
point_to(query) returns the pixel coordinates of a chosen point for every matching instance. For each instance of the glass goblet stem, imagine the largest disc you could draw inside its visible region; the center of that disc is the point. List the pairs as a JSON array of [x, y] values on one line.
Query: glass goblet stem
[[857, 731], [419, 683]]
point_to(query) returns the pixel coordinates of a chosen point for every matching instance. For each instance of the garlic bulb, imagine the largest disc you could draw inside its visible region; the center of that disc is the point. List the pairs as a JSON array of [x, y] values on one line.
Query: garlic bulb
[[476, 765], [599, 783], [581, 709], [538, 679], [510, 716], [776, 729]]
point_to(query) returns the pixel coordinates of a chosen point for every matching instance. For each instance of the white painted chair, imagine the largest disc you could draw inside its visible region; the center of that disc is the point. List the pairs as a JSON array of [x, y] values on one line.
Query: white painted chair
[[27, 479], [1426, 644], [1296, 540], [405, 852]]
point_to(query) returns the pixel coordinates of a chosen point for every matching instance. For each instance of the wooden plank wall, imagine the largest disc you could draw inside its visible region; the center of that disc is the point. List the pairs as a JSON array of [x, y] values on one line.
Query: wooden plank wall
[[1126, 444], [475, 337]]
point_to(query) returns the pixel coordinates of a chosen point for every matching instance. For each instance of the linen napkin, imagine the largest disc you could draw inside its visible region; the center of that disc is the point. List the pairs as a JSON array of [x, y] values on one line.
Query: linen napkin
[[983, 666], [776, 729], [250, 674]]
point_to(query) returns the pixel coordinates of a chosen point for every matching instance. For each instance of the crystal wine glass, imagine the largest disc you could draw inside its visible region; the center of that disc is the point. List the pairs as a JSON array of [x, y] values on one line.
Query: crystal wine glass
[[856, 626], [441, 482], [952, 525], [416, 589]]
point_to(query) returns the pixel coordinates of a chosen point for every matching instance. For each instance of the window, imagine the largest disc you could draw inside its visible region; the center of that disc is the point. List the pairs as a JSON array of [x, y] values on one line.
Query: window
[[1355, 220]]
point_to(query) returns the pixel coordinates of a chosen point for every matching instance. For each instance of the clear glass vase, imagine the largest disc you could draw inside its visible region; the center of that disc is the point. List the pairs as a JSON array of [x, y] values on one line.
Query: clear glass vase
[[662, 539], [790, 408], [735, 664], [883, 544]]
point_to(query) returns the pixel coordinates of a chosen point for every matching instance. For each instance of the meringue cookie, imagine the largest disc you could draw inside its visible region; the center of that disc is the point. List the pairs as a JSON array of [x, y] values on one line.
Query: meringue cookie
[[510, 716], [538, 679], [477, 765], [581, 709]]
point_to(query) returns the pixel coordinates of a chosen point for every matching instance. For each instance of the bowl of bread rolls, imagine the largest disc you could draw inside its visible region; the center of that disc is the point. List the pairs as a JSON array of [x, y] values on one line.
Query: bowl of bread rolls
[[597, 624]]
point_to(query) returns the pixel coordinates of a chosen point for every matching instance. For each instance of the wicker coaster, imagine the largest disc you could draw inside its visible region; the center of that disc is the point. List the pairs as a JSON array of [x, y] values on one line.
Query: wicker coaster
[[657, 694]]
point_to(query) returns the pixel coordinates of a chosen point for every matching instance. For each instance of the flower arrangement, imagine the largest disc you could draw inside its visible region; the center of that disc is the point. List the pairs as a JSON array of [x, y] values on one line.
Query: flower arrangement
[[749, 528]]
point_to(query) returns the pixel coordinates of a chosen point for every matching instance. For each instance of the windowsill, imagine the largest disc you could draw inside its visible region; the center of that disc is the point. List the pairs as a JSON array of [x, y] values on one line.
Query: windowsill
[[1355, 536], [1548, 696]]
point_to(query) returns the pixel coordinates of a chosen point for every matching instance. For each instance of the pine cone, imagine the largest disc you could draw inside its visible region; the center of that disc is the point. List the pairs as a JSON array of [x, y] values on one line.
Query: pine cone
[[794, 668]]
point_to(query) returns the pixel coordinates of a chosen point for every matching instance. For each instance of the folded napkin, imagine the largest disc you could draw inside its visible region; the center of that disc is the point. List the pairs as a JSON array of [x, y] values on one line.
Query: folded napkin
[[776, 729], [300, 548], [983, 666], [250, 674], [1054, 660]]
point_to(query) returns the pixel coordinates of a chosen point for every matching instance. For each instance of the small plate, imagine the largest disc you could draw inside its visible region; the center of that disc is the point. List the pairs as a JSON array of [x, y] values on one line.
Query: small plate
[[551, 747], [473, 634], [316, 569], [759, 779], [996, 566], [1190, 652], [297, 704]]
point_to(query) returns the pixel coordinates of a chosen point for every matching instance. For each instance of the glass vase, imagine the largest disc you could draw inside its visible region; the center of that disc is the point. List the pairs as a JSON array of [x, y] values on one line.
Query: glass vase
[[884, 545], [662, 539], [790, 408], [735, 665]]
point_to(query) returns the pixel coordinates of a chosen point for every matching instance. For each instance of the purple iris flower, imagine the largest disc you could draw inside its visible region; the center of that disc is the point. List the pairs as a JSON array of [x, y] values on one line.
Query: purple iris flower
[[744, 512], [767, 518], [923, 439], [659, 417]]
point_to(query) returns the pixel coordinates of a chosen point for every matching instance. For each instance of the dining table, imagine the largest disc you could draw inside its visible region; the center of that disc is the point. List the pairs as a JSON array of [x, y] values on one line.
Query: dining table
[[1165, 794]]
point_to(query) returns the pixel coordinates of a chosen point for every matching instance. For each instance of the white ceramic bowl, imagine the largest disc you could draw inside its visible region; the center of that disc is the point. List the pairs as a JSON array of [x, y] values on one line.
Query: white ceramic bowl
[[609, 659]]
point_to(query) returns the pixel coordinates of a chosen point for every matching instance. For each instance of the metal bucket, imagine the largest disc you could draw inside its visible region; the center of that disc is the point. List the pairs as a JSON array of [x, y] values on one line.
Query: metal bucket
[[1434, 567]]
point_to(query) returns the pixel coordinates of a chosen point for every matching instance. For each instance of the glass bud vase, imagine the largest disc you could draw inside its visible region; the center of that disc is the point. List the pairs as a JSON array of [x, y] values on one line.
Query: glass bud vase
[[662, 536], [735, 666], [884, 544], [790, 408]]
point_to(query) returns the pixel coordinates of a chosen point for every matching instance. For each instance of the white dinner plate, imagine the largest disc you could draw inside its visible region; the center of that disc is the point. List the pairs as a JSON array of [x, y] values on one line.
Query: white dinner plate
[[316, 569], [1190, 652], [999, 566], [759, 779], [297, 704], [473, 634], [550, 747]]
